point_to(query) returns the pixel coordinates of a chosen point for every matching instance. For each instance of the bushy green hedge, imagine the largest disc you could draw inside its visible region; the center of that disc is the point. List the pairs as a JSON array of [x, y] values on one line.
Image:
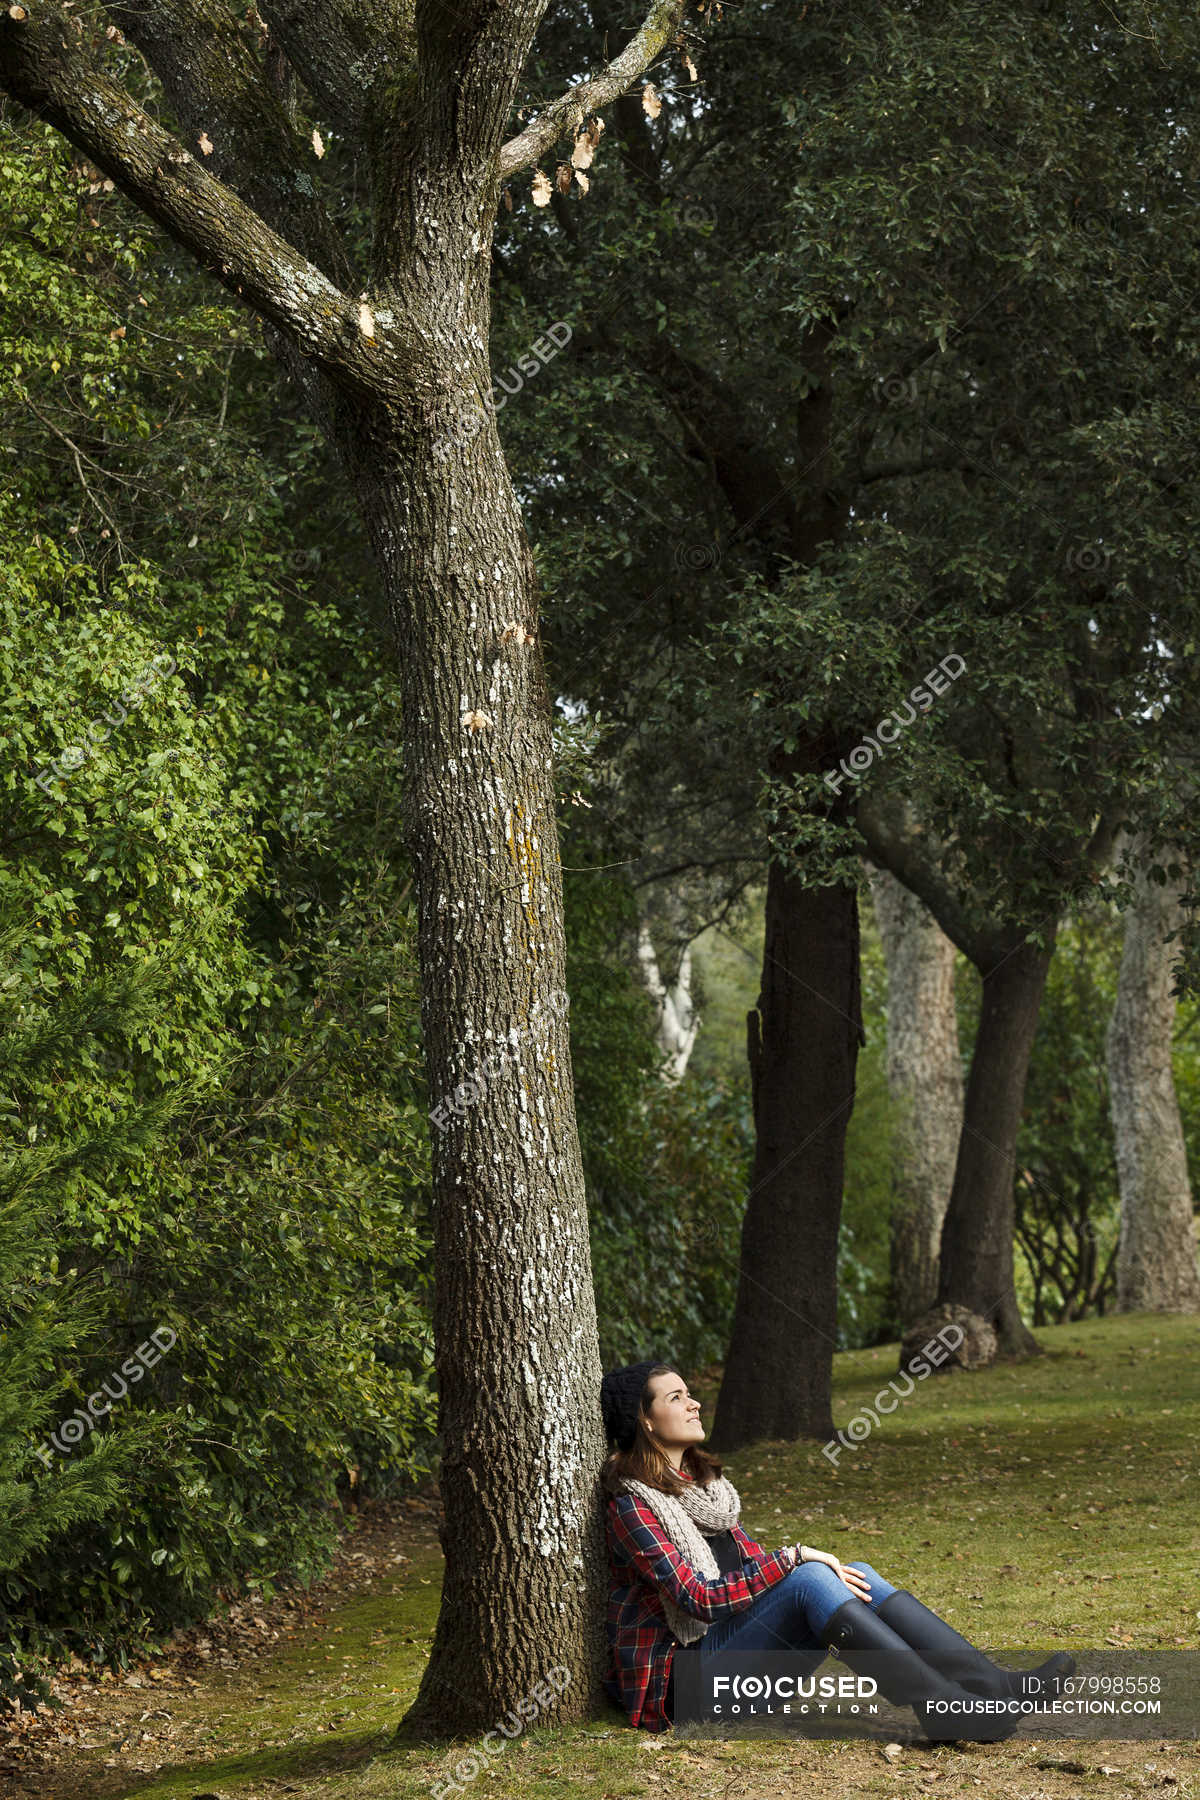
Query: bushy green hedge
[[272, 1221]]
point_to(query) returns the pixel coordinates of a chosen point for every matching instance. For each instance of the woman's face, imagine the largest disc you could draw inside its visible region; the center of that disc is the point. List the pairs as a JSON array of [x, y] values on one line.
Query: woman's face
[[673, 1415]]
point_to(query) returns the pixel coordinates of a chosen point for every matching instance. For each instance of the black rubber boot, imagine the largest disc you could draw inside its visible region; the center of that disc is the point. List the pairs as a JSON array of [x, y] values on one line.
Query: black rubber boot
[[948, 1651], [945, 1710]]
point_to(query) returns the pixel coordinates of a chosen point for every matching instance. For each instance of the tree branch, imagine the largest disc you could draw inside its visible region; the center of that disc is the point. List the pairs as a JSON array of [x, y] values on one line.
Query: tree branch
[[211, 72], [568, 113], [1099, 850], [895, 844], [341, 52], [897, 470], [42, 66], [693, 867], [713, 414]]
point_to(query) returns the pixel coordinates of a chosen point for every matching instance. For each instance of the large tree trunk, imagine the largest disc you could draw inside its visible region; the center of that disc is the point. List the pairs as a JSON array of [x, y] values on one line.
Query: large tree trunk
[[976, 1265], [1156, 1256], [925, 1082], [803, 1044], [514, 1310], [976, 1262]]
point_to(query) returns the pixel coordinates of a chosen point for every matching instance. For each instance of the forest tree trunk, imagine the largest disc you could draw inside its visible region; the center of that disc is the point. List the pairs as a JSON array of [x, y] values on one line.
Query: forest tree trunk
[[925, 1083], [1156, 1256], [678, 1021], [803, 1038], [976, 1264], [514, 1306], [803, 1043]]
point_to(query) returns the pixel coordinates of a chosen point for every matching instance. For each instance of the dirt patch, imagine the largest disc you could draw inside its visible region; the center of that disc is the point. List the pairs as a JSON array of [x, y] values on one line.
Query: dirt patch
[[104, 1719]]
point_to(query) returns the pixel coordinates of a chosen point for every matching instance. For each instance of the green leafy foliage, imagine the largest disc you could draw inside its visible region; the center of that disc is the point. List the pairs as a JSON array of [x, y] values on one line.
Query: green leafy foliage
[[232, 820]]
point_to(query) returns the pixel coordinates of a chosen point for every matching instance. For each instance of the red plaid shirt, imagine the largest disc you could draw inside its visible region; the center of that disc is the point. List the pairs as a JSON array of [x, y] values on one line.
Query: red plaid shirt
[[644, 1563]]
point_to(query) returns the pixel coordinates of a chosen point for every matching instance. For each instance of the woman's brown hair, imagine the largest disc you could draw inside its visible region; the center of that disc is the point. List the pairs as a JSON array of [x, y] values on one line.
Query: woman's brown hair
[[644, 1461]]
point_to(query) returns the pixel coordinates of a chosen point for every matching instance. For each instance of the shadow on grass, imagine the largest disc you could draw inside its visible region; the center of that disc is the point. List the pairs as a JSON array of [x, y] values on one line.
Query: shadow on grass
[[203, 1780], [297, 1763]]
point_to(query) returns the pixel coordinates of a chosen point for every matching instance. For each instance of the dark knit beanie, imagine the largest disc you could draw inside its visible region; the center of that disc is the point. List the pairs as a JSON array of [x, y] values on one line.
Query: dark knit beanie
[[620, 1391]]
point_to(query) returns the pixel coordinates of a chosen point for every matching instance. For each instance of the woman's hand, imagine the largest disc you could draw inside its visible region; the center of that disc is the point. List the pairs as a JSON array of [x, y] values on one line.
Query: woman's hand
[[854, 1579]]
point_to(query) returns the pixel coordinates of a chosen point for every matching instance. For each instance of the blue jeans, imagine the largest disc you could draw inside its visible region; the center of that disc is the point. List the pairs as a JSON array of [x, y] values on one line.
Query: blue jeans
[[788, 1616]]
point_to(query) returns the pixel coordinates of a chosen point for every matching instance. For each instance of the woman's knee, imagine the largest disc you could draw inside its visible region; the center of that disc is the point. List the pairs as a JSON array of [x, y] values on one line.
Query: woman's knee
[[814, 1588], [879, 1585], [809, 1578]]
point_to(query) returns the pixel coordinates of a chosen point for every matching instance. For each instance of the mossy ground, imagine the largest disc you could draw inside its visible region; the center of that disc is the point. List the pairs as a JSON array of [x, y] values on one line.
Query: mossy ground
[[1050, 1504]]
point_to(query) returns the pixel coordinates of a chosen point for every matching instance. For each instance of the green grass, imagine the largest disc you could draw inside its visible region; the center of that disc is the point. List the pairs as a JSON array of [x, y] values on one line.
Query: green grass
[[1046, 1505]]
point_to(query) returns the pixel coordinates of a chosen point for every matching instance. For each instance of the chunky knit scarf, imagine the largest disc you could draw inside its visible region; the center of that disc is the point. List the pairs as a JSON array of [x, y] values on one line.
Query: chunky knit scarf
[[689, 1519]]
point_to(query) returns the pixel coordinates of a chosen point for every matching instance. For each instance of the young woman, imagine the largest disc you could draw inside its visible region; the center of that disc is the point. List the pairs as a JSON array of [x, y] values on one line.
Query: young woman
[[688, 1582]]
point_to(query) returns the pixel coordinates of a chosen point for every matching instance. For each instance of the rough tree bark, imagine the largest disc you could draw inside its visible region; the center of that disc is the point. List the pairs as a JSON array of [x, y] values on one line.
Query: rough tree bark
[[1156, 1256], [925, 1081], [976, 1255], [391, 352], [803, 1041], [976, 1260]]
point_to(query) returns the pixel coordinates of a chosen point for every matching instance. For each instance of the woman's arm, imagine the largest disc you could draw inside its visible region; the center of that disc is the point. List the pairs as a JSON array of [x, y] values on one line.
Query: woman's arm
[[636, 1532], [745, 1544]]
